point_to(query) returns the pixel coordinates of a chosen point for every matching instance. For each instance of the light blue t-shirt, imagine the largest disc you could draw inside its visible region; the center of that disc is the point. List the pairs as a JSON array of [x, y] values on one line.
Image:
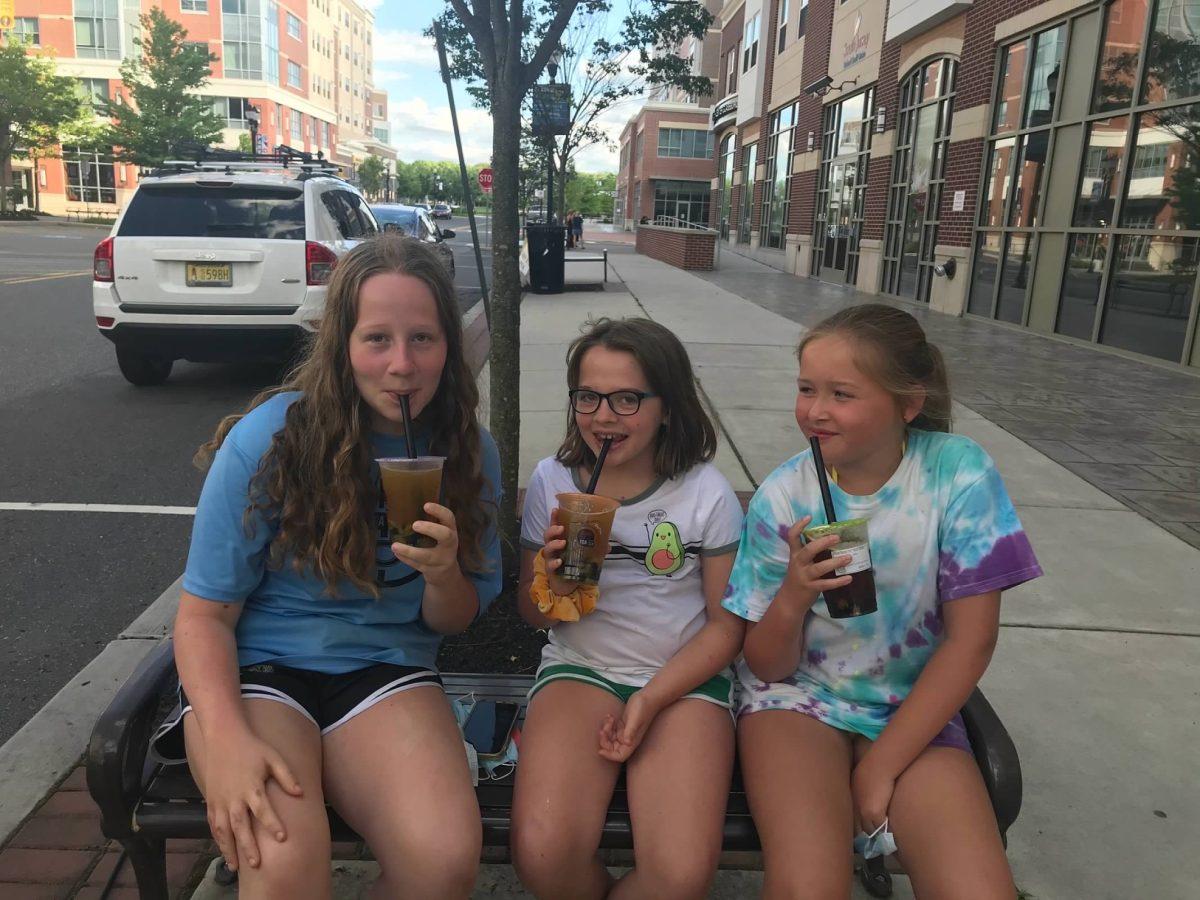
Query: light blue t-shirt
[[941, 528], [288, 616]]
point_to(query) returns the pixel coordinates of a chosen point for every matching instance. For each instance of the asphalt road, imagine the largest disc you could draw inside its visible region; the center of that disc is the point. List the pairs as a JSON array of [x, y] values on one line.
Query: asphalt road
[[72, 430]]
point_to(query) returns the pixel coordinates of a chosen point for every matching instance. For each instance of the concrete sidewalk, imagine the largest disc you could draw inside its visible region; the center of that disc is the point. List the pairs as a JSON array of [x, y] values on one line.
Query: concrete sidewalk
[[1095, 675]]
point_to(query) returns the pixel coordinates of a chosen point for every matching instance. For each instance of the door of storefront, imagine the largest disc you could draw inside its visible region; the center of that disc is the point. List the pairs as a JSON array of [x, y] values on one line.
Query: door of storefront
[[841, 191], [839, 220]]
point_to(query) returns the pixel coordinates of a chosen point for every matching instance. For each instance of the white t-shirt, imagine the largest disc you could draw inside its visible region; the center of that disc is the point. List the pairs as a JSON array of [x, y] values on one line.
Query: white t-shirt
[[651, 594]]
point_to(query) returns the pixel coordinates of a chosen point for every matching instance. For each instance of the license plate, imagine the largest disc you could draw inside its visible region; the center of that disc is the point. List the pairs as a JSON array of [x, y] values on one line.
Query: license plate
[[209, 275]]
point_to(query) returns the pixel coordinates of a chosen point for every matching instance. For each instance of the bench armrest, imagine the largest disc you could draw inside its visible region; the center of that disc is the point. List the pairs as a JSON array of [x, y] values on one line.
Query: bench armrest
[[996, 756], [117, 751]]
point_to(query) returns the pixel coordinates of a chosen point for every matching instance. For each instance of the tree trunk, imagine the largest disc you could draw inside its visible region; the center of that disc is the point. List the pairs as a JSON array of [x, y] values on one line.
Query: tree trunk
[[505, 369]]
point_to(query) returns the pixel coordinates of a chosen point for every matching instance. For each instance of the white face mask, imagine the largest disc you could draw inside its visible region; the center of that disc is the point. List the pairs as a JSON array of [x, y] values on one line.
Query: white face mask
[[879, 842], [493, 768]]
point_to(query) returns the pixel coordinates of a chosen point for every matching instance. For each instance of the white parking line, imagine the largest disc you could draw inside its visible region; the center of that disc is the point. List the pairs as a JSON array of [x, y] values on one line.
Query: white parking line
[[101, 508]]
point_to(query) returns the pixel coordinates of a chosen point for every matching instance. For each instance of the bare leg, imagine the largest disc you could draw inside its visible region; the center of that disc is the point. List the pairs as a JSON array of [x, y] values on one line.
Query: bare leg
[[298, 866], [797, 776], [398, 775], [562, 792], [945, 830], [678, 783]]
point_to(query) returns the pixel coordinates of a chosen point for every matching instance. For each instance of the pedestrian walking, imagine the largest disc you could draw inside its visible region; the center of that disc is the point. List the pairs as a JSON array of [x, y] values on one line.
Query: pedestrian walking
[[577, 228], [305, 638], [850, 713]]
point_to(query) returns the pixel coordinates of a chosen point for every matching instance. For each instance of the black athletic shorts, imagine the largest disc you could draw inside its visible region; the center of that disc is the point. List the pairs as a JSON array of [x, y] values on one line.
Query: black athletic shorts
[[327, 701]]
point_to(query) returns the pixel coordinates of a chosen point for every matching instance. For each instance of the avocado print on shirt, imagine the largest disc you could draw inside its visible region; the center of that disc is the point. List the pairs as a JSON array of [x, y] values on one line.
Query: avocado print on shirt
[[665, 555]]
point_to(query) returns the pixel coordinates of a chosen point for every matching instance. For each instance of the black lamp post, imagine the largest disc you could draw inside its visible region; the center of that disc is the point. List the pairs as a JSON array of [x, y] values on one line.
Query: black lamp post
[[552, 70], [253, 117]]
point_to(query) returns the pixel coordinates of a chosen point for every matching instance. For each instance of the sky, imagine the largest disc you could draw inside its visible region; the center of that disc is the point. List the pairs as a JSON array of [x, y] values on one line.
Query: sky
[[406, 67]]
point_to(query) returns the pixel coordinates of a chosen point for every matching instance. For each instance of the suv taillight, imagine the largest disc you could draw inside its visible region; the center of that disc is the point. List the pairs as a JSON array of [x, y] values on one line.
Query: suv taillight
[[102, 261], [319, 262]]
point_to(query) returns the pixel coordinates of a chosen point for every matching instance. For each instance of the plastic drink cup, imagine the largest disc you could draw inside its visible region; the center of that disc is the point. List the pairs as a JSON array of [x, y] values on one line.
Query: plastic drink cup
[[587, 520], [408, 484], [858, 597]]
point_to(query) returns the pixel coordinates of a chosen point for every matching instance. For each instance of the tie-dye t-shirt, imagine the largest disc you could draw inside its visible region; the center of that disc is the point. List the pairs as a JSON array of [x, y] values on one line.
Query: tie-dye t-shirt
[[941, 528]]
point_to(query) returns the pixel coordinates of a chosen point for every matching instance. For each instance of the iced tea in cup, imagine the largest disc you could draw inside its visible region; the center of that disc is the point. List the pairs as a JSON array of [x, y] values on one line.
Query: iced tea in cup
[[586, 520], [858, 597], [408, 484]]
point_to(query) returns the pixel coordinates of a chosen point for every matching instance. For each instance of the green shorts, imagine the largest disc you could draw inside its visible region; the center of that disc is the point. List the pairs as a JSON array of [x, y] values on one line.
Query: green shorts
[[718, 689]]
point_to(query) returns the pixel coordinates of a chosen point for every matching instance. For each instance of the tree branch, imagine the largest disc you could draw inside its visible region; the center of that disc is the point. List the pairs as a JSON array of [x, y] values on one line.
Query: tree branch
[[549, 44]]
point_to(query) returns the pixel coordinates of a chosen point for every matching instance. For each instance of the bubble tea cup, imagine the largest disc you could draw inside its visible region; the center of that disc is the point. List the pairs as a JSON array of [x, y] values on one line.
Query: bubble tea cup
[[587, 521], [408, 484]]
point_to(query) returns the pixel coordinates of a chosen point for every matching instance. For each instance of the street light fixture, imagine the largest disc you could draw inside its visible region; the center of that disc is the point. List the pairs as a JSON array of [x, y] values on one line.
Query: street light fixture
[[552, 70], [254, 118]]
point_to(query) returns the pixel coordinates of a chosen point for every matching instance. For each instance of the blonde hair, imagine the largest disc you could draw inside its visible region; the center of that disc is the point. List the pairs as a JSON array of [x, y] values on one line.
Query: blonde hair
[[894, 353], [315, 480]]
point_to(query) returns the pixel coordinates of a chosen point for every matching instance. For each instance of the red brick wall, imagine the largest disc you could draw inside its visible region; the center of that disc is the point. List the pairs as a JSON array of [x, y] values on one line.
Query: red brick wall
[[879, 170], [682, 249], [818, 33]]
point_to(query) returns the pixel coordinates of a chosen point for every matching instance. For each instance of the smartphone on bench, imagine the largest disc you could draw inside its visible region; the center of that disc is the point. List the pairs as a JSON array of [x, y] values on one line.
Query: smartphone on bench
[[489, 727]]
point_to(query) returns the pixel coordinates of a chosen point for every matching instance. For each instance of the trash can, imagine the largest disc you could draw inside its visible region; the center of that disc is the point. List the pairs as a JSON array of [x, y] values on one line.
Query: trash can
[[547, 250]]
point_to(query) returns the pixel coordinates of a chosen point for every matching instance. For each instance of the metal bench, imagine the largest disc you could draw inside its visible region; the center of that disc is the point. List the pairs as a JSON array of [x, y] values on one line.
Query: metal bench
[[601, 257], [143, 803]]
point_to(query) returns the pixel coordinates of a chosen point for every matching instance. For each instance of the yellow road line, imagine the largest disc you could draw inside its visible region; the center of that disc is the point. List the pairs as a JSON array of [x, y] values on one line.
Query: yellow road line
[[46, 277]]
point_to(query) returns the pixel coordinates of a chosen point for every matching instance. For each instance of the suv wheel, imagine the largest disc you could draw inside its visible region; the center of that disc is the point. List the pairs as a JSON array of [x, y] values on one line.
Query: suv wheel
[[143, 370]]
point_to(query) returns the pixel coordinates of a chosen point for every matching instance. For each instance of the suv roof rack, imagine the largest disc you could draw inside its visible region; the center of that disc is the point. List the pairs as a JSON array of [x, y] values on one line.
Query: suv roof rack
[[284, 158]]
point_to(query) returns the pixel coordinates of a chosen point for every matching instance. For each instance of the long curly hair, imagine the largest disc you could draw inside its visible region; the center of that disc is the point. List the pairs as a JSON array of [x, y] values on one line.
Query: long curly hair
[[315, 482]]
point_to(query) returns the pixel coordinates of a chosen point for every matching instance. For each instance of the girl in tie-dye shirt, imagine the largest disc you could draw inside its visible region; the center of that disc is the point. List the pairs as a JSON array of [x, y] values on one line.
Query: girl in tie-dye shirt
[[850, 724]]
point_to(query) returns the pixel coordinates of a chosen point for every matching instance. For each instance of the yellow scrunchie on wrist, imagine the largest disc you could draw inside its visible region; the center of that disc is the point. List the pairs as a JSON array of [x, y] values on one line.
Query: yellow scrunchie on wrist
[[560, 607]]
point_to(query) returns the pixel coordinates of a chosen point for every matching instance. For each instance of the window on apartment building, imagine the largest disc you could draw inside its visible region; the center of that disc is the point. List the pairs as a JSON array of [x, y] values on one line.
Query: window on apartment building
[[90, 176], [325, 134], [731, 69], [97, 29], [271, 40], [802, 18], [293, 26], [242, 38], [316, 131], [194, 5], [297, 125], [294, 74], [749, 159], [95, 90], [918, 179], [381, 134], [784, 10], [25, 28], [777, 187], [750, 43], [232, 110], [685, 143]]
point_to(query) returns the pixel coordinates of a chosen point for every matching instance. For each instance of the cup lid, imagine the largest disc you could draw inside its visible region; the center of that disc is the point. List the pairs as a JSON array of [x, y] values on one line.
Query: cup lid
[[821, 530]]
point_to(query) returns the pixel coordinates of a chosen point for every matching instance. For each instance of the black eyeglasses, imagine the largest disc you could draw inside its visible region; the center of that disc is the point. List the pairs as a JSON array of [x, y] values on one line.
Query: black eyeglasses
[[623, 403]]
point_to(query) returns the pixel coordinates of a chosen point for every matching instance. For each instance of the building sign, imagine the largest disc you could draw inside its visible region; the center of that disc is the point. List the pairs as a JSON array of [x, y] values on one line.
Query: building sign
[[724, 109], [856, 43], [551, 109], [7, 13], [855, 49]]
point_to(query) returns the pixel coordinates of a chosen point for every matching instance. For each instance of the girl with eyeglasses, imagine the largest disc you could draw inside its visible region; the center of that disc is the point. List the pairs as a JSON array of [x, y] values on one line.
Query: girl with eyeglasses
[[643, 679]]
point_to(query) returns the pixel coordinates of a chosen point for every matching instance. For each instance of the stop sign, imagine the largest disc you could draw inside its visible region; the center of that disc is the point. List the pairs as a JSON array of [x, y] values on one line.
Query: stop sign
[[485, 180]]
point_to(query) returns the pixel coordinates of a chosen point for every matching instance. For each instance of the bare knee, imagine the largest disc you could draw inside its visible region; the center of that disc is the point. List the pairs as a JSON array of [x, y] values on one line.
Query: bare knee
[[677, 876], [785, 880], [546, 857], [435, 861], [295, 867]]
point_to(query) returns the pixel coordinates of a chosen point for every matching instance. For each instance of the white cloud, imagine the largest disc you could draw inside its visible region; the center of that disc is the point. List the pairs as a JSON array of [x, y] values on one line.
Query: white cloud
[[383, 76], [420, 131], [395, 45]]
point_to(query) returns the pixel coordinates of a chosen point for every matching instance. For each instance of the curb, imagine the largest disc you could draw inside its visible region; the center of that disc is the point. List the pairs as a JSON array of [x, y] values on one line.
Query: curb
[[35, 760]]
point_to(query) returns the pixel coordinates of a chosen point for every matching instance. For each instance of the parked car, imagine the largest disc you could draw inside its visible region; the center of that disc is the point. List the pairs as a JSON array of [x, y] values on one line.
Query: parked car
[[441, 211], [416, 222], [217, 262]]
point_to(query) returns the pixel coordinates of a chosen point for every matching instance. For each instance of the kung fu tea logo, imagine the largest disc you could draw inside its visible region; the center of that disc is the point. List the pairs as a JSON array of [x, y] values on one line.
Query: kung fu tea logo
[[855, 49]]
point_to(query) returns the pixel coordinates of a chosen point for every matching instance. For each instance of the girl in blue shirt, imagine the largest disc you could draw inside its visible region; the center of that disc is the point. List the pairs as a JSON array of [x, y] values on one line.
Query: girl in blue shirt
[[305, 639], [851, 724]]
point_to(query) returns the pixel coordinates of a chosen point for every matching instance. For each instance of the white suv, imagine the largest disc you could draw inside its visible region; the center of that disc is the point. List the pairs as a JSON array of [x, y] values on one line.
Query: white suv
[[220, 261]]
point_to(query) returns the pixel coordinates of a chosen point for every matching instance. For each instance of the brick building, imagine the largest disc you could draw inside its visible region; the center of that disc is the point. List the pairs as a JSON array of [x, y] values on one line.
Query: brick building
[[305, 65], [1050, 149]]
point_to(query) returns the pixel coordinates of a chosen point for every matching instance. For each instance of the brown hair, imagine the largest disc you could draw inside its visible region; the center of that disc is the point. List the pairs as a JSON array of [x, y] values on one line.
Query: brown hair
[[894, 354], [315, 480], [687, 436]]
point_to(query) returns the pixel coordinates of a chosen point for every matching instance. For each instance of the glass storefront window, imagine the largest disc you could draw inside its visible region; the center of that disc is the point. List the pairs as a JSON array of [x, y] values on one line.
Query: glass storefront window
[[852, 115], [779, 176], [1012, 77], [840, 201], [681, 201], [749, 155], [983, 273], [1100, 181], [1164, 181], [726, 174], [995, 189], [1043, 81], [1173, 61], [1150, 294], [1080, 293], [1124, 27], [1031, 161], [1015, 277]]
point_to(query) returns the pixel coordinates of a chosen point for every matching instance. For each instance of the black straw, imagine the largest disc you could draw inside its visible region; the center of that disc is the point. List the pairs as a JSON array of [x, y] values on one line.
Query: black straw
[[591, 488], [409, 442], [819, 462]]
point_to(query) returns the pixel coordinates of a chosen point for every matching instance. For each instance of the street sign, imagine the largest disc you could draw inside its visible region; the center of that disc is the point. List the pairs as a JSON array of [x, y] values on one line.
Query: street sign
[[485, 180], [8, 12], [551, 109]]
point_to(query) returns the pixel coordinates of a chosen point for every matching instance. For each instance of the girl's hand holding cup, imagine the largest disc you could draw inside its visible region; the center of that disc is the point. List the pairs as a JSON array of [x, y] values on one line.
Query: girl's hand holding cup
[[554, 540], [805, 578], [438, 563]]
